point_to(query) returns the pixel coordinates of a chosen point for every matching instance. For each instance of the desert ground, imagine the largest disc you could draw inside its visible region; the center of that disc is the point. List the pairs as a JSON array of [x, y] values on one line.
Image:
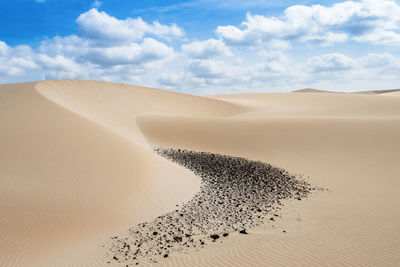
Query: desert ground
[[78, 168]]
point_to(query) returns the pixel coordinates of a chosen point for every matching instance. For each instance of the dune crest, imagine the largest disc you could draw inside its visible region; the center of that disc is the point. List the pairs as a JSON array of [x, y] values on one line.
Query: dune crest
[[116, 105]]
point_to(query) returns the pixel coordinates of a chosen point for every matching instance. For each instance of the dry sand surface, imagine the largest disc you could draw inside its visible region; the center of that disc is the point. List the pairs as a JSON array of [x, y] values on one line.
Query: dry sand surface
[[77, 167]]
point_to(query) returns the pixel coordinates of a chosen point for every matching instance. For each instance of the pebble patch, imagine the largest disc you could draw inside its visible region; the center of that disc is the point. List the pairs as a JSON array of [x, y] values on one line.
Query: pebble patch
[[236, 194]]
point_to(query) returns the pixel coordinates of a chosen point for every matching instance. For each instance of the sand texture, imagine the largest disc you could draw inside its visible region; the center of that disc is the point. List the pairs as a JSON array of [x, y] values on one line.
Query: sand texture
[[78, 172]]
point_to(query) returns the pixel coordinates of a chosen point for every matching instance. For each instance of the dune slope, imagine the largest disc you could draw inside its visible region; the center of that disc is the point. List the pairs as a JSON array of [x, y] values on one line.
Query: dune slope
[[67, 181], [77, 167], [347, 143], [115, 105]]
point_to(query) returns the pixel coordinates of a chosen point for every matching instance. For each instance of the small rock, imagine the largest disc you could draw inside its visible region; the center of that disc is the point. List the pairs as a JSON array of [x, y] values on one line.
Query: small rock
[[178, 238], [214, 236]]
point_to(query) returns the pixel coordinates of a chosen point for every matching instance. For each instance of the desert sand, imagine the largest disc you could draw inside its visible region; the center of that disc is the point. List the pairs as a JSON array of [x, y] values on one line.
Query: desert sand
[[78, 166]]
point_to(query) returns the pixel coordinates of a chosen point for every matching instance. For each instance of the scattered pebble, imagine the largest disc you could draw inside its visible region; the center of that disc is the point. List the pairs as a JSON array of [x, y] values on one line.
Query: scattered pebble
[[235, 193]]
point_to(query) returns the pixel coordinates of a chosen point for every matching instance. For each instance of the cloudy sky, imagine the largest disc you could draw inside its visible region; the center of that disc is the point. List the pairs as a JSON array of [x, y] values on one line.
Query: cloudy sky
[[204, 46]]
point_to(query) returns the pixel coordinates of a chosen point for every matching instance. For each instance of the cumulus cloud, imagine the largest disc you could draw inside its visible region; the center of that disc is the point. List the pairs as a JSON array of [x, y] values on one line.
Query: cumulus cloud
[[135, 51], [106, 41], [211, 74], [206, 49], [61, 67], [148, 50], [71, 45], [384, 65], [171, 79], [105, 48], [376, 60], [208, 68], [58, 63], [16, 60], [372, 21], [3, 48], [330, 62], [108, 30]]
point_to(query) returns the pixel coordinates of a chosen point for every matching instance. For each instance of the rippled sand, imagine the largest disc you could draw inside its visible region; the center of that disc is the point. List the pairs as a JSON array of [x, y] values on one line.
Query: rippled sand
[[77, 167]]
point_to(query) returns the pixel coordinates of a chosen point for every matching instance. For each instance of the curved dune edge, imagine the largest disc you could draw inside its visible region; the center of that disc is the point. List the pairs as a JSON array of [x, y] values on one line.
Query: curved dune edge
[[73, 181], [62, 162], [115, 105]]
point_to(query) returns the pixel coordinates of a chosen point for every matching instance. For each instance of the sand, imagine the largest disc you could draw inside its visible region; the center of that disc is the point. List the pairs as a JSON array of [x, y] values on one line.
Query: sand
[[77, 167]]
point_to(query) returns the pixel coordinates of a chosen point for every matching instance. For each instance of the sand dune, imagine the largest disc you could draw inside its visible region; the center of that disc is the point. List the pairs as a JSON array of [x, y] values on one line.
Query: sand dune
[[77, 167], [371, 92], [66, 180], [310, 90], [378, 92], [394, 93], [115, 105]]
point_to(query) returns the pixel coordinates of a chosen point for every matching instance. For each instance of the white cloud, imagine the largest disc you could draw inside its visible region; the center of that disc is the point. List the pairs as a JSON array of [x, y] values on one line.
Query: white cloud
[[372, 21], [58, 63], [171, 79], [17, 60], [106, 41], [26, 63], [206, 49], [208, 68], [376, 60], [72, 45], [108, 30], [275, 62], [209, 74], [330, 62], [4, 48], [148, 50], [135, 51], [125, 59]]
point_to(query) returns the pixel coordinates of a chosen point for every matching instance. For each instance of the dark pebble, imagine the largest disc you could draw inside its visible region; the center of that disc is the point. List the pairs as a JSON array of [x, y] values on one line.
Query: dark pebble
[[178, 238], [214, 236]]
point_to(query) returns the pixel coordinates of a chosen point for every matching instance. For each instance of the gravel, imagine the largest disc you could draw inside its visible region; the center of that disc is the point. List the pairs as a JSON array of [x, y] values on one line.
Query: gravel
[[235, 194]]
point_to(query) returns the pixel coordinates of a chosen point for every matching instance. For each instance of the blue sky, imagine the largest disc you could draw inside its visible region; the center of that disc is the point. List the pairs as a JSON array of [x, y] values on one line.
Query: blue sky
[[204, 46]]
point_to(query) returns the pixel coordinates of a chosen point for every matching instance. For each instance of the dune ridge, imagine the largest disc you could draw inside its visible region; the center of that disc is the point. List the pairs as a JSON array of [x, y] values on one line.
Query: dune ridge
[[77, 166], [310, 90], [125, 102]]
